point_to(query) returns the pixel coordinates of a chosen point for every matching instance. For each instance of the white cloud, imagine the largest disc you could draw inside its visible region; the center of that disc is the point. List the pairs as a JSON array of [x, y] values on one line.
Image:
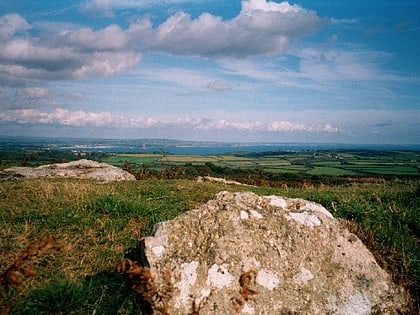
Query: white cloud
[[224, 124], [63, 117], [34, 93], [339, 64], [291, 126], [11, 24], [106, 63], [111, 38], [286, 126], [64, 55], [284, 18], [103, 7], [79, 118], [261, 5], [67, 51], [252, 69], [261, 28], [107, 6]]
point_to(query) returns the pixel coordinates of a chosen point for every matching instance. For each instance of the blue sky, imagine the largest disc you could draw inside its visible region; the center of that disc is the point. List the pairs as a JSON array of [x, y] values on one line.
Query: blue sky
[[256, 70]]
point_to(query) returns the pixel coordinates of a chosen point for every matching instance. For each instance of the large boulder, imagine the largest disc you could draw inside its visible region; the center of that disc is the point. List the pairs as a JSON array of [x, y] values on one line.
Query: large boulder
[[249, 254], [84, 169]]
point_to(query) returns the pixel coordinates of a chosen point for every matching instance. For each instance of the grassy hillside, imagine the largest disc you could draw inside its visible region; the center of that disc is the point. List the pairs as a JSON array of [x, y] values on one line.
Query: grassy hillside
[[95, 224]]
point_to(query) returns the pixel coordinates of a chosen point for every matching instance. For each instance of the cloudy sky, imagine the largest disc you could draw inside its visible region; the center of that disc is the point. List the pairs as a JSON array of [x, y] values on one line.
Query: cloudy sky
[[252, 70]]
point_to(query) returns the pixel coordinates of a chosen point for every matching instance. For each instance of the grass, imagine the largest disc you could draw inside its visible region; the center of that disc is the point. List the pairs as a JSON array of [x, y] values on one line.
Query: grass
[[102, 222], [330, 171], [131, 158]]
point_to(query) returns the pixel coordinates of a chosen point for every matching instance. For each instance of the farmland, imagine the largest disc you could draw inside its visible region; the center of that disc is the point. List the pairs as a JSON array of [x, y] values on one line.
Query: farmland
[[357, 163]]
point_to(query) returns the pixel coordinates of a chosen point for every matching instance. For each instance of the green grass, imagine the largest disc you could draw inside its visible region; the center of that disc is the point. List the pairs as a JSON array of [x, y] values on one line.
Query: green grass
[[61, 296], [318, 163], [119, 160], [330, 171], [384, 169], [103, 221], [290, 169]]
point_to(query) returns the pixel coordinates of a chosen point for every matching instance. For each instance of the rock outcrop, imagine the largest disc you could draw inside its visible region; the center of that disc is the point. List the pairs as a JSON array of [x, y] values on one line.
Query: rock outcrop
[[84, 169], [246, 254]]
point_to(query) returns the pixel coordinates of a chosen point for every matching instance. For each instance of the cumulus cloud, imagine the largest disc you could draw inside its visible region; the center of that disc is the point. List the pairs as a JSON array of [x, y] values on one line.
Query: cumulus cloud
[[11, 24], [65, 117], [106, 63], [290, 126], [261, 27], [111, 38], [26, 59], [225, 124]]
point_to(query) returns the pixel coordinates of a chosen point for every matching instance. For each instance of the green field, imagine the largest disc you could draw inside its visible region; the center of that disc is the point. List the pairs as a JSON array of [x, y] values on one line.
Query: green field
[[319, 163]]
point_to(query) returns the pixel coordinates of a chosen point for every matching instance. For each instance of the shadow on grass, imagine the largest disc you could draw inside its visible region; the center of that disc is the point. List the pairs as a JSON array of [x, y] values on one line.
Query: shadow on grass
[[103, 293]]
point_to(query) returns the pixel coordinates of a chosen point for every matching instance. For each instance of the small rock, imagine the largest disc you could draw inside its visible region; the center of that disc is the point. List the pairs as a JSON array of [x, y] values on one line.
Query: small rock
[[84, 169]]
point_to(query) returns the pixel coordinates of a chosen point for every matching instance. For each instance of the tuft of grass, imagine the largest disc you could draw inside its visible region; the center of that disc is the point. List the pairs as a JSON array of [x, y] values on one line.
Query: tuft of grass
[[104, 293]]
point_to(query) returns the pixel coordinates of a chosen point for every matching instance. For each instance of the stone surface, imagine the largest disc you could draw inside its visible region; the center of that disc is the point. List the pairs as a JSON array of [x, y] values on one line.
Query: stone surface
[[246, 254], [84, 169], [219, 180]]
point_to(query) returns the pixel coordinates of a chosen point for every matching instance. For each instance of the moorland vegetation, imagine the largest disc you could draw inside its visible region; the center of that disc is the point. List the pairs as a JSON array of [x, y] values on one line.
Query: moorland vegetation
[[80, 229]]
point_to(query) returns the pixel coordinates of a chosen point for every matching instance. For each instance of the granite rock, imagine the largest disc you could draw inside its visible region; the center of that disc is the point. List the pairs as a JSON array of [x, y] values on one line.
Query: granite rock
[[83, 169], [241, 253]]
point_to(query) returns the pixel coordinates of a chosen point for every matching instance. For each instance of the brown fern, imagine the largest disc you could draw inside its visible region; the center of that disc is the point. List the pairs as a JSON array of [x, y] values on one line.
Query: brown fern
[[17, 273], [155, 293]]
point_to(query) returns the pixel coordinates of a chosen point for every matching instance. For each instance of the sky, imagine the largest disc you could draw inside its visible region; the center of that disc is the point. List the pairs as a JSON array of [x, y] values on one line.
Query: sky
[[323, 71]]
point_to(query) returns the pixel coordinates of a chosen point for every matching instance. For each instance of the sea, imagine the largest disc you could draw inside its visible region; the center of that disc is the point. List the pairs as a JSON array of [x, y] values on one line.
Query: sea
[[170, 146]]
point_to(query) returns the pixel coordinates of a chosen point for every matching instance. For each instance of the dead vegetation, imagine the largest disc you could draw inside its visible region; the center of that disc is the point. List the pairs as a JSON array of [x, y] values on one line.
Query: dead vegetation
[[155, 293], [21, 268]]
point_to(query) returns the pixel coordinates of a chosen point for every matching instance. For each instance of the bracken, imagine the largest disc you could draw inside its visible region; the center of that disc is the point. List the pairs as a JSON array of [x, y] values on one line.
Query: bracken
[[17, 272], [156, 294]]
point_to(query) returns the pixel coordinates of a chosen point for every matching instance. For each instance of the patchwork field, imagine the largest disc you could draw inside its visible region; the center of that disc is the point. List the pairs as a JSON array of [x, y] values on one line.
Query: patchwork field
[[328, 163]]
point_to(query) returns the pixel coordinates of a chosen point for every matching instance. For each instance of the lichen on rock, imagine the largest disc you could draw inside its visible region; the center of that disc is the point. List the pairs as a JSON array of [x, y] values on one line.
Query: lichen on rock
[[81, 169], [249, 254]]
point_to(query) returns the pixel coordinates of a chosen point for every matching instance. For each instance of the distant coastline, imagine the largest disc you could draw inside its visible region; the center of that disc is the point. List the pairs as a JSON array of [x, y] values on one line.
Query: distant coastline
[[171, 146]]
